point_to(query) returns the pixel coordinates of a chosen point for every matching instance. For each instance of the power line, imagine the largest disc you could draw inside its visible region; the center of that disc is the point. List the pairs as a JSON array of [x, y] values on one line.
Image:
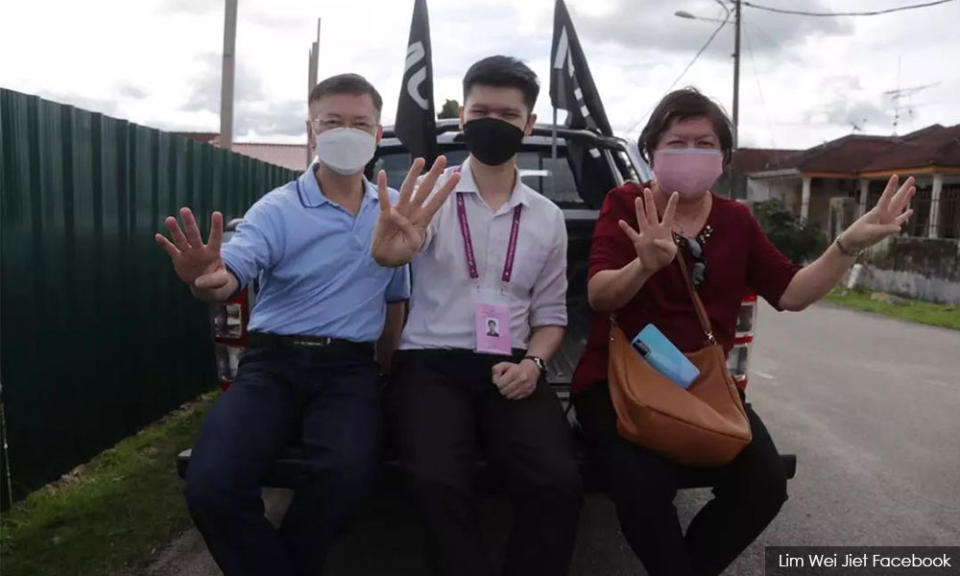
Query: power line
[[756, 77], [695, 57], [831, 14], [726, 18]]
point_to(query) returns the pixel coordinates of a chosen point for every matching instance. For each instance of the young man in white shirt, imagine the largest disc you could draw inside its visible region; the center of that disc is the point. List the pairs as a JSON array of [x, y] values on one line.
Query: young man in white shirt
[[494, 254]]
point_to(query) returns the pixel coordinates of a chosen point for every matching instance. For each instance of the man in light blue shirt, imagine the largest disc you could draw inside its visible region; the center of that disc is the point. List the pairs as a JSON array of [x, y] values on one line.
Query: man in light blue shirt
[[323, 307], [309, 253]]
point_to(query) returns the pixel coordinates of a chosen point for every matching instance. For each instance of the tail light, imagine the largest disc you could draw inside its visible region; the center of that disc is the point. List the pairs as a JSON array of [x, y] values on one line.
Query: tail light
[[738, 361], [747, 317], [738, 364], [228, 324], [228, 359], [227, 320]]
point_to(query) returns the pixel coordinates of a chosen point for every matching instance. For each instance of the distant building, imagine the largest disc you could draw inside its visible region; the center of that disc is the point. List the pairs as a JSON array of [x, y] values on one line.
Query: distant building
[[292, 156], [836, 182]]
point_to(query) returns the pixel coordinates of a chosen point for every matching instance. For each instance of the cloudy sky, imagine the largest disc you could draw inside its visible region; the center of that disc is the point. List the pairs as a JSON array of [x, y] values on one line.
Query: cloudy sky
[[803, 80]]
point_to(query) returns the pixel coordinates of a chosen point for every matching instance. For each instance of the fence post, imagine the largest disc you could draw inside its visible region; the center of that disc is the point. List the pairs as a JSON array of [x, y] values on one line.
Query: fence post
[[864, 193], [932, 231]]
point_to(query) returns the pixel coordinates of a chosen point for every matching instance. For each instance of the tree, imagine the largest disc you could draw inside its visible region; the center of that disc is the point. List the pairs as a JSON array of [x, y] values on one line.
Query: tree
[[451, 109], [798, 239]]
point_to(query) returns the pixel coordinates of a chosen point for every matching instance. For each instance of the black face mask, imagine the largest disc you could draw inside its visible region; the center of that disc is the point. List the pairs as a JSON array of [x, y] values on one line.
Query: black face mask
[[492, 141]]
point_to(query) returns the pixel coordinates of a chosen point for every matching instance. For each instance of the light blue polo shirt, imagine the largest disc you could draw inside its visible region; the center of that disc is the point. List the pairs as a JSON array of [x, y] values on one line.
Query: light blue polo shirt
[[312, 256]]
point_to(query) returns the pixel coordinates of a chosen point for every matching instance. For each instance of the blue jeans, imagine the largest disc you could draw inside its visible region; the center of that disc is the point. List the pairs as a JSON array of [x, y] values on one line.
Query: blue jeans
[[332, 406]]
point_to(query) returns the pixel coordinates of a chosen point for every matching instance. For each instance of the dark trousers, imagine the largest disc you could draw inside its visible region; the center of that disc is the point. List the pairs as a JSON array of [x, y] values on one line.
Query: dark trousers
[[747, 496], [333, 405], [444, 406]]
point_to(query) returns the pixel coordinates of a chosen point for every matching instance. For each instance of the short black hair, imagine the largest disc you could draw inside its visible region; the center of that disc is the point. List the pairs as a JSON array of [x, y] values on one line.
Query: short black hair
[[681, 105], [503, 72], [346, 84]]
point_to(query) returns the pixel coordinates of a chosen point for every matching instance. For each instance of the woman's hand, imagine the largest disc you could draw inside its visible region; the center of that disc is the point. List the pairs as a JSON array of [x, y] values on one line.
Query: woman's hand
[[814, 281], [885, 219], [654, 240]]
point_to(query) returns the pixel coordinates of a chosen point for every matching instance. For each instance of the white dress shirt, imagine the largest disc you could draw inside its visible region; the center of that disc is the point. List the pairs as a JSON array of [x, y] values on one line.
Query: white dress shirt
[[442, 302]]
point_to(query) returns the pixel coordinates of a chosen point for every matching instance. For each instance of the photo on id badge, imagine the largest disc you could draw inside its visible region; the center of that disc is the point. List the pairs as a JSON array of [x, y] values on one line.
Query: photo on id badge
[[492, 319]]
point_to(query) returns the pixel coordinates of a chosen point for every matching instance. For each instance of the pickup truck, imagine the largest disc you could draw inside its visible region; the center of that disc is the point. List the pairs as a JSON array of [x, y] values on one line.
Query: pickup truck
[[577, 182]]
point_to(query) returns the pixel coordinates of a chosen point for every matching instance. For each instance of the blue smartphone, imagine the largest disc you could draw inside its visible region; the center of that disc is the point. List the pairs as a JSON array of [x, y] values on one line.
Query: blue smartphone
[[665, 358]]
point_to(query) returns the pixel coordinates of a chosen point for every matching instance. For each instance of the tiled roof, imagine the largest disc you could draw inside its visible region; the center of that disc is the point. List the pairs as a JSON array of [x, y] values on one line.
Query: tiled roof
[[747, 160], [932, 146], [855, 154]]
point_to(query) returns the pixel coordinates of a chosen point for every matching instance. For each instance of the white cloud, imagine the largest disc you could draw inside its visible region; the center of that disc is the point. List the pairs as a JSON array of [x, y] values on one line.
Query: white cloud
[[803, 80]]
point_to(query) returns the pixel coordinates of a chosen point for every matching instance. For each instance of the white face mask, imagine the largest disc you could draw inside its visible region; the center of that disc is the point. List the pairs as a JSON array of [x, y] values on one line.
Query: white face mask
[[345, 150]]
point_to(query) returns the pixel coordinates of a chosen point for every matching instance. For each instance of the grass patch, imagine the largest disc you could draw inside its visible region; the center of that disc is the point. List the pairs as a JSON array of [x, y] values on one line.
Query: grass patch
[[109, 515], [902, 308]]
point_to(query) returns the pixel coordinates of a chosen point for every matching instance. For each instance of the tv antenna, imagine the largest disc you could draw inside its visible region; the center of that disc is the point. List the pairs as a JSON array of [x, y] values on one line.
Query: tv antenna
[[900, 98]]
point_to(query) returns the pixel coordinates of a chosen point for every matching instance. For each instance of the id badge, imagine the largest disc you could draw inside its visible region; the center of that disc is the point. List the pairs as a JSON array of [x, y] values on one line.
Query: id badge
[[492, 323]]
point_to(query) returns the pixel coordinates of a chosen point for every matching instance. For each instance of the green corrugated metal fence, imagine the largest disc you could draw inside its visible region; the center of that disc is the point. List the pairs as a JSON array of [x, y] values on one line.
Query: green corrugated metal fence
[[97, 335]]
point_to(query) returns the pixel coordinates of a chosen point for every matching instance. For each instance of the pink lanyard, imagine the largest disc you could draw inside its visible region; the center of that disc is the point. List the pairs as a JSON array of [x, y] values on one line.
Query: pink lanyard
[[468, 243]]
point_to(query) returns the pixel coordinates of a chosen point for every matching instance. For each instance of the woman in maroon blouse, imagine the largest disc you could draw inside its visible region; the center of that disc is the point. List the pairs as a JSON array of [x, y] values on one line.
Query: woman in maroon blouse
[[633, 272]]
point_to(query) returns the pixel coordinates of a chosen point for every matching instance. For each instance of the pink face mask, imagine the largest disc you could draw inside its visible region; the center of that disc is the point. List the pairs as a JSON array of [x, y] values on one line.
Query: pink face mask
[[689, 171]]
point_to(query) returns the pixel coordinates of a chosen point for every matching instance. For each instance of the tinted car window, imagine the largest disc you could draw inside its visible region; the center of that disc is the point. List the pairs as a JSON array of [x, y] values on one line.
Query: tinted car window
[[550, 177], [554, 179], [397, 162]]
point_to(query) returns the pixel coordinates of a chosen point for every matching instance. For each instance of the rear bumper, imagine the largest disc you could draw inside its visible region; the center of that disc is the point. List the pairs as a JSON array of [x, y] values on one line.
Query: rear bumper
[[291, 465]]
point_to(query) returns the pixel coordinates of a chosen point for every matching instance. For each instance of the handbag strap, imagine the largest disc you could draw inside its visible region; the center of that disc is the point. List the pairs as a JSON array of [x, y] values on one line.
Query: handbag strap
[[697, 303]]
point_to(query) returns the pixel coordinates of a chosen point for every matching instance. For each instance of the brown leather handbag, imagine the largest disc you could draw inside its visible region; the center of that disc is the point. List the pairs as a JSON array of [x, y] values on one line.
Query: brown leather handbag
[[704, 425]]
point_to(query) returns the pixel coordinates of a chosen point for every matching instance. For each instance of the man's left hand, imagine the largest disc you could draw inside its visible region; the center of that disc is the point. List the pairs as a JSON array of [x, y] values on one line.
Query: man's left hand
[[516, 381]]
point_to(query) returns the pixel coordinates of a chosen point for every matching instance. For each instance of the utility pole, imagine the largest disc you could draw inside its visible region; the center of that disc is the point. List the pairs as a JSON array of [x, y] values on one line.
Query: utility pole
[[314, 61], [736, 97], [736, 55], [229, 67], [736, 74]]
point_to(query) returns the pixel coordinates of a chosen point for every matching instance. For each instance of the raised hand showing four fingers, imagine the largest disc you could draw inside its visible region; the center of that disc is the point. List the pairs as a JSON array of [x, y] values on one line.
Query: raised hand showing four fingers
[[402, 227], [885, 219], [654, 239]]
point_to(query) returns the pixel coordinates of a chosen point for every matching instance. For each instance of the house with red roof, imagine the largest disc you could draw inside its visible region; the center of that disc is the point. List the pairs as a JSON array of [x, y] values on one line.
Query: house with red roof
[[836, 182]]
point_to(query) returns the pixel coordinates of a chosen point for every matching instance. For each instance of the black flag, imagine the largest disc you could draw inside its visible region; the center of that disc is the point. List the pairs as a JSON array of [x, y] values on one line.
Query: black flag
[[416, 124], [572, 89], [571, 85]]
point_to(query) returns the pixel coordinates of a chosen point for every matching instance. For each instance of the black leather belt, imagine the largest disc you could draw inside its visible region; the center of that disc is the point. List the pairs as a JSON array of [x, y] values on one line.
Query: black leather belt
[[325, 344]]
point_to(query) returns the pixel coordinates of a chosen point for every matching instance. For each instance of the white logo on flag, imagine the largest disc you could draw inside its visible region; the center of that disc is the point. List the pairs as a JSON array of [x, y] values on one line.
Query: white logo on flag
[[416, 53], [563, 53], [561, 49]]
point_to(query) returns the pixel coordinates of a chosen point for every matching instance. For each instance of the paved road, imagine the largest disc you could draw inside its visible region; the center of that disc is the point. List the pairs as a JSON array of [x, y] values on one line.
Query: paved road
[[870, 405]]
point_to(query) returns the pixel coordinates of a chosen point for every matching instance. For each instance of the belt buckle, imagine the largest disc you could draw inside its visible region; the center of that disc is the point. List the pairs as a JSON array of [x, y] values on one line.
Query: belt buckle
[[322, 342]]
